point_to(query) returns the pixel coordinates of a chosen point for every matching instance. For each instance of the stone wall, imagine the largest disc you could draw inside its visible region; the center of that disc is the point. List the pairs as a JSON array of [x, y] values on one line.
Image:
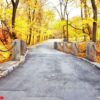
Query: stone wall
[[19, 48], [82, 49]]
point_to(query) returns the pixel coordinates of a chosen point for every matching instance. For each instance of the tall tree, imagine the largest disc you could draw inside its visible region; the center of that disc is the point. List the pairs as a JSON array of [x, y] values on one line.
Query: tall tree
[[63, 14], [94, 8], [14, 5]]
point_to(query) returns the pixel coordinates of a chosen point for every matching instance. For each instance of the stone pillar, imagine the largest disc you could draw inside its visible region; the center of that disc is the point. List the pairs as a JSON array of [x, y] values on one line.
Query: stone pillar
[[65, 46], [74, 48], [55, 45], [16, 51], [69, 48], [23, 47], [58, 45], [62, 46], [91, 51]]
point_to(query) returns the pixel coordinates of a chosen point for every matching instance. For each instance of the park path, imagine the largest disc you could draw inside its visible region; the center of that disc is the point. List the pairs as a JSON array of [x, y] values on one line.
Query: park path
[[48, 74]]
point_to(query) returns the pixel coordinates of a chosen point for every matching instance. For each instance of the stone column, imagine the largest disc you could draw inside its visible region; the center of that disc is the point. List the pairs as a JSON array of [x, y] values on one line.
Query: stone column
[[23, 47], [16, 51], [91, 51], [65, 46], [74, 48], [55, 45]]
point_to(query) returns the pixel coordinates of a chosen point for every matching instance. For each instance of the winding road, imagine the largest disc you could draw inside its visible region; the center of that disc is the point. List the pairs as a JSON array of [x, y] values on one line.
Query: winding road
[[48, 74]]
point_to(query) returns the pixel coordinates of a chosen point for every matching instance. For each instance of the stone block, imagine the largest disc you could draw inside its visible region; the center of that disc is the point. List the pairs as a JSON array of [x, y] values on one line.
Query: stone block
[[74, 49], [55, 45], [65, 46], [16, 51], [91, 51], [23, 47]]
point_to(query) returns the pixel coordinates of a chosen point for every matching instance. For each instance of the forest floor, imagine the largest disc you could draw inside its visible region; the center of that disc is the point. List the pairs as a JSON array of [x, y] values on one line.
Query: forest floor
[[48, 74]]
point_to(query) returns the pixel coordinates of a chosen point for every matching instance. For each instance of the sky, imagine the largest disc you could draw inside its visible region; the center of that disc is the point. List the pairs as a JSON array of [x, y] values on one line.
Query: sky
[[73, 9]]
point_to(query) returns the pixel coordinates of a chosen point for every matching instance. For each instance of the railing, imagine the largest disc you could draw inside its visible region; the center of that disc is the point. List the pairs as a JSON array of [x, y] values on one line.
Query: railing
[[88, 51], [17, 50]]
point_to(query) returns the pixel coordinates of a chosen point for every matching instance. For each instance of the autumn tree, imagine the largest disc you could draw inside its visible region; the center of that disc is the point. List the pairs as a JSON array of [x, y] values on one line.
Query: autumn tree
[[85, 14], [63, 14], [34, 9]]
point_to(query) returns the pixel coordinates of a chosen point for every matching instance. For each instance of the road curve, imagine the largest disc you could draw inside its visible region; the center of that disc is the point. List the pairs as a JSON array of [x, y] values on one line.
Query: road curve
[[48, 74]]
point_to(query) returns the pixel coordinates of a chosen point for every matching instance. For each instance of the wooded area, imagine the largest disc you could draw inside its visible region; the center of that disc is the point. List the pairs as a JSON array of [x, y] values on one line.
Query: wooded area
[[34, 21]]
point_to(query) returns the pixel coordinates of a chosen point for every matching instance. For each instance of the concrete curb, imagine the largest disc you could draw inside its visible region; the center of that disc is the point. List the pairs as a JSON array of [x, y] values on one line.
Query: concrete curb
[[97, 65], [9, 66]]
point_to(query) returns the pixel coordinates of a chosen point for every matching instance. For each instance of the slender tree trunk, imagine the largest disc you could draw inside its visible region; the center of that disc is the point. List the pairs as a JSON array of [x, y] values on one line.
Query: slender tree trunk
[[82, 16], [67, 28], [85, 9], [62, 17], [31, 16], [13, 22], [65, 8], [81, 11], [15, 5], [30, 35], [94, 8], [13, 17]]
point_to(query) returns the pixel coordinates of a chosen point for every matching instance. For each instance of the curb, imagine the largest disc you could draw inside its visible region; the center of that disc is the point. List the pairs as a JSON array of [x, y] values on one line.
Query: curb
[[8, 69], [97, 65]]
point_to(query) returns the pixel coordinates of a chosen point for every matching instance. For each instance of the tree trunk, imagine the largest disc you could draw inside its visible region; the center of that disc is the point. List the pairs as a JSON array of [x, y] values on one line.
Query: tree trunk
[[67, 28], [15, 5], [82, 16], [13, 22], [85, 9], [94, 8], [81, 11], [13, 17]]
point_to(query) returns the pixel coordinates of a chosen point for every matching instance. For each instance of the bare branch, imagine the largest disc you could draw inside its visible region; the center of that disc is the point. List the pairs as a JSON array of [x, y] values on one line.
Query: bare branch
[[57, 12], [7, 2], [60, 1], [15, 3], [74, 27]]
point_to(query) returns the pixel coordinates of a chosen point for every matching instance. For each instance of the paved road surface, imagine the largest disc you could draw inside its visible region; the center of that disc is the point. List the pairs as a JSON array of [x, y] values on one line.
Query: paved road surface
[[52, 75]]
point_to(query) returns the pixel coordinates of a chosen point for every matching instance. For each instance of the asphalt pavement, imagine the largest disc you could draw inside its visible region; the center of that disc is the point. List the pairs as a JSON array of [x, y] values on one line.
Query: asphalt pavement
[[49, 74]]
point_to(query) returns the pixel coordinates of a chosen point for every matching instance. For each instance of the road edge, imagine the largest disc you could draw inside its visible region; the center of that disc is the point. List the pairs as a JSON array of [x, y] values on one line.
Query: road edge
[[4, 71], [97, 65]]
